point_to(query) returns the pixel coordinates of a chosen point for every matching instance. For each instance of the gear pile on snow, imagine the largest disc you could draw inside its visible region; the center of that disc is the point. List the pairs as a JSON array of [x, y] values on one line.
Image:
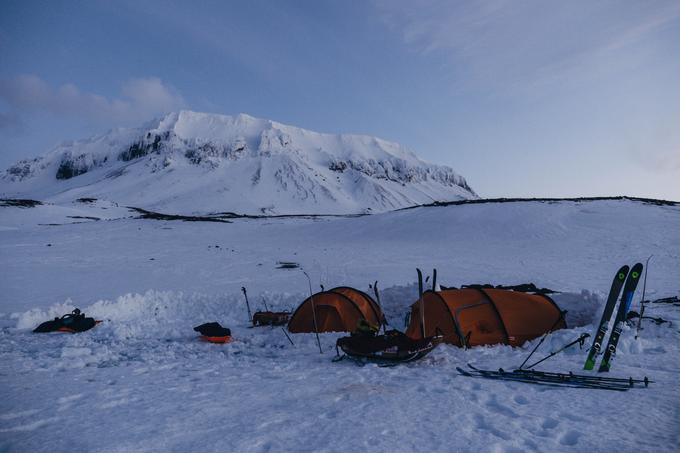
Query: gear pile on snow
[[271, 318], [73, 322], [267, 317], [524, 288]]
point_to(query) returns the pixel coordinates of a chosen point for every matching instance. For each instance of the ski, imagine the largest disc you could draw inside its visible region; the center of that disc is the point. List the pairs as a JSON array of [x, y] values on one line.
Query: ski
[[624, 306], [571, 377], [667, 300], [584, 378], [434, 279], [554, 380], [422, 305], [642, 300], [539, 380], [617, 284]]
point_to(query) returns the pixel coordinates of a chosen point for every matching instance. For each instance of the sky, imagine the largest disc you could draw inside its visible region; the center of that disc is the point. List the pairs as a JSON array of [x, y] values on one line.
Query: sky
[[524, 98]]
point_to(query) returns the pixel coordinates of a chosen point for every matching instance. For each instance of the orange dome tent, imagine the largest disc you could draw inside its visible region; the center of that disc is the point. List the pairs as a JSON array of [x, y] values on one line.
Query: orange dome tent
[[474, 317], [337, 310]]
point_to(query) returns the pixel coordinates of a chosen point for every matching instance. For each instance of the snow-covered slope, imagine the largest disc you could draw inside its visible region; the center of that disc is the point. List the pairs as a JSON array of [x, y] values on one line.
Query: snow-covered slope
[[144, 373], [189, 162]]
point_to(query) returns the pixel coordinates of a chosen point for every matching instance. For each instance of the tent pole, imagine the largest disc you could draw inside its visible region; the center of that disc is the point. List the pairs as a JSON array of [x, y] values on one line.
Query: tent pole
[[311, 297]]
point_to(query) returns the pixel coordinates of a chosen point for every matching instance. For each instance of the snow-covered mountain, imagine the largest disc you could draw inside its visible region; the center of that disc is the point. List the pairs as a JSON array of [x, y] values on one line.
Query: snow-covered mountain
[[189, 162]]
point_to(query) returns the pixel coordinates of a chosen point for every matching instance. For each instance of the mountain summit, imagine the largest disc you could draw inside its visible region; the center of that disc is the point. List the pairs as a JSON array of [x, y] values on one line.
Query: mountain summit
[[190, 162]]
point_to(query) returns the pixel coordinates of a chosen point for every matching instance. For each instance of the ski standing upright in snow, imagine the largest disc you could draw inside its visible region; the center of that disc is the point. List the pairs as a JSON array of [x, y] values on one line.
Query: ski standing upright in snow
[[614, 292], [626, 300], [643, 303], [422, 304]]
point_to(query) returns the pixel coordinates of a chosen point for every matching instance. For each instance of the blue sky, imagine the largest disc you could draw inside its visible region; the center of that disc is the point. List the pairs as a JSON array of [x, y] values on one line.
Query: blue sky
[[522, 97]]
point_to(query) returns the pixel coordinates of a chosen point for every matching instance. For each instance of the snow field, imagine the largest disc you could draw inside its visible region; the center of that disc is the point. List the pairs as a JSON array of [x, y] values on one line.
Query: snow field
[[142, 381], [565, 246]]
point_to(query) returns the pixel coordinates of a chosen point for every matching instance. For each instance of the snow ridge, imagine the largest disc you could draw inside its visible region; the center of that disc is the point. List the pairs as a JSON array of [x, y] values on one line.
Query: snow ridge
[[198, 162]]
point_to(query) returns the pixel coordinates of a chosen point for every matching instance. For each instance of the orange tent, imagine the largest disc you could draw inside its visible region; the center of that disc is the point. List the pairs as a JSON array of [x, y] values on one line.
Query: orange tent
[[474, 317], [337, 310]]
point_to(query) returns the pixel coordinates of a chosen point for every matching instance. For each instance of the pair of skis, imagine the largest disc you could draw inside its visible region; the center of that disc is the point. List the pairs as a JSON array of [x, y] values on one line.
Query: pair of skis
[[555, 379], [628, 280]]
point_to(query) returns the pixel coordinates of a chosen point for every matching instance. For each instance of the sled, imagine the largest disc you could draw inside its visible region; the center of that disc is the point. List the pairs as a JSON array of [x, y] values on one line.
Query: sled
[[392, 348], [217, 340], [271, 318], [74, 322], [213, 332]]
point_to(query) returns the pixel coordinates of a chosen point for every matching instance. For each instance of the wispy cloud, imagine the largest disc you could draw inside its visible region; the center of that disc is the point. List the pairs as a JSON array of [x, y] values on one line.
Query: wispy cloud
[[522, 41], [659, 149], [140, 99], [669, 160]]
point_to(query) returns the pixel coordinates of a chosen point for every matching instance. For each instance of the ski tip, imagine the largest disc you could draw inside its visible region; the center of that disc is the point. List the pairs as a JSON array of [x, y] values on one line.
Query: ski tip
[[623, 272], [636, 271], [462, 371]]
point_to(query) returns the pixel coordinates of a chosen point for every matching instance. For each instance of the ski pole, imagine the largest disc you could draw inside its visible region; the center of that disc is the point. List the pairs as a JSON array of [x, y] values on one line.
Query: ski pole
[[287, 336], [580, 340], [311, 297], [265, 303], [560, 318], [250, 317], [642, 301]]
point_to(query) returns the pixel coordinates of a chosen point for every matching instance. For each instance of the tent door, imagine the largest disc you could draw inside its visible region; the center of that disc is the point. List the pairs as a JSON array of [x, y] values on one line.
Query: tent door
[[480, 324], [328, 319]]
